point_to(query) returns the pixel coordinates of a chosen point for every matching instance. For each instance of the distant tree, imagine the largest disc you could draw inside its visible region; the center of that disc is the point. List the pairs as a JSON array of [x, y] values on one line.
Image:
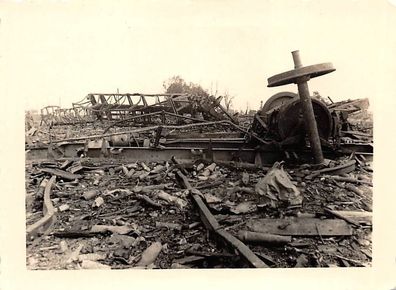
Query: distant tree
[[177, 85], [228, 100]]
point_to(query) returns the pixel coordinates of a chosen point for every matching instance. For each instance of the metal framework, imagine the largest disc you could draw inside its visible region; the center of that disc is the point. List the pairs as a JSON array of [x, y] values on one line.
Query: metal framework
[[124, 109]]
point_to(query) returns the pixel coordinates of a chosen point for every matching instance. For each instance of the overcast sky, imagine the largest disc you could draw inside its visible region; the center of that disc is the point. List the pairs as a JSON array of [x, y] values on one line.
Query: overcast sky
[[56, 52]]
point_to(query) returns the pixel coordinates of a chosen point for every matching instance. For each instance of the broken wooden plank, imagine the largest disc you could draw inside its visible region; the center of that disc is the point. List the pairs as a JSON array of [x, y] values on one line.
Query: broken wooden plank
[[243, 250], [176, 162], [348, 179], [357, 263], [150, 188], [266, 258], [207, 218], [340, 216], [354, 189], [74, 234], [189, 259], [61, 173], [212, 225], [301, 227], [209, 254], [357, 216], [66, 164], [367, 253], [148, 200], [210, 185], [344, 168]]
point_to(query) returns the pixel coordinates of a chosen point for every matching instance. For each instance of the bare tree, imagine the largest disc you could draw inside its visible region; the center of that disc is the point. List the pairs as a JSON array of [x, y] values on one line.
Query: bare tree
[[228, 100], [247, 108]]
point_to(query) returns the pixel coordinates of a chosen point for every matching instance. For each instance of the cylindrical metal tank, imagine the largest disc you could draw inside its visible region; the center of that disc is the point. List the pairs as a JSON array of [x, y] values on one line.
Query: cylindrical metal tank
[[282, 113]]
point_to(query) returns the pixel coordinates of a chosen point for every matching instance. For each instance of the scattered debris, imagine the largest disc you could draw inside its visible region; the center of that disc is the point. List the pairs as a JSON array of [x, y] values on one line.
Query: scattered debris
[[116, 183], [211, 224]]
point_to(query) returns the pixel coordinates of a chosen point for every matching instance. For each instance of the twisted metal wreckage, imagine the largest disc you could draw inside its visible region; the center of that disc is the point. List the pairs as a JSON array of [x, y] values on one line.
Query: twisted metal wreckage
[[189, 129]]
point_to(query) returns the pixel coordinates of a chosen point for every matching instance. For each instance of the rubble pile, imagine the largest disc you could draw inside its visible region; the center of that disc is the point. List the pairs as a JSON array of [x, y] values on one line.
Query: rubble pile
[[110, 215], [200, 193]]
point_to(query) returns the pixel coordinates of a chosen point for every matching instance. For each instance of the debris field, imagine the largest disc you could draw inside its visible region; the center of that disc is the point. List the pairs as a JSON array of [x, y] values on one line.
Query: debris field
[[116, 182]]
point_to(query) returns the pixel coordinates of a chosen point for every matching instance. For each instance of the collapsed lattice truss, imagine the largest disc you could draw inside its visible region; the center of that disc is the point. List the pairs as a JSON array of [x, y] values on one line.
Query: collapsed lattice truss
[[146, 108]]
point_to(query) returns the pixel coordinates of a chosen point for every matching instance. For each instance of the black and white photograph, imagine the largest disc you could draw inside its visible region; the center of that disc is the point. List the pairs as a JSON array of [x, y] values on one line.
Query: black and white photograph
[[192, 137]]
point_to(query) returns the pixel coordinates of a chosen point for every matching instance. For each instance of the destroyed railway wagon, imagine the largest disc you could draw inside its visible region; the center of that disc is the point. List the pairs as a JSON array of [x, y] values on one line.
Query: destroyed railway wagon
[[276, 133], [178, 190]]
